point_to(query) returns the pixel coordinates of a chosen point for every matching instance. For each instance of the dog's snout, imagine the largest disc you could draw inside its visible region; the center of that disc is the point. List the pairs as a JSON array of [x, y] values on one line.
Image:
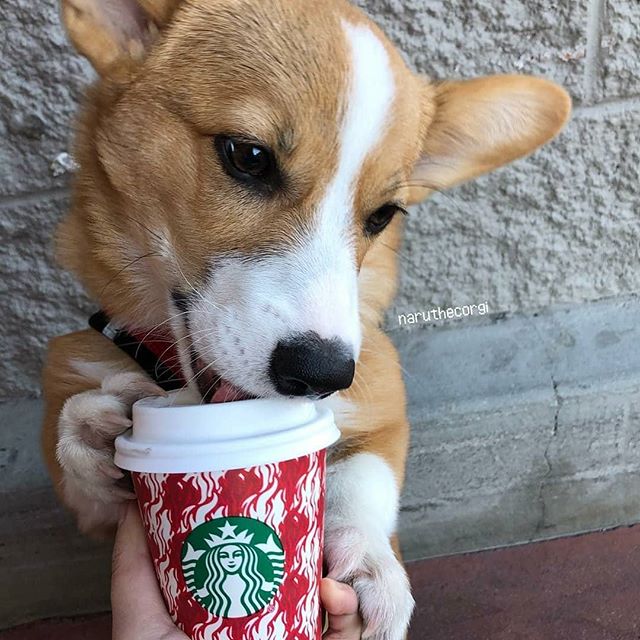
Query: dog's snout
[[308, 365]]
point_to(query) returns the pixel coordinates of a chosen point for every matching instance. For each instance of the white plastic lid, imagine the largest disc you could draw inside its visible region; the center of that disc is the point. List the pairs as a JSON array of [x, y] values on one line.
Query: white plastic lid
[[169, 436]]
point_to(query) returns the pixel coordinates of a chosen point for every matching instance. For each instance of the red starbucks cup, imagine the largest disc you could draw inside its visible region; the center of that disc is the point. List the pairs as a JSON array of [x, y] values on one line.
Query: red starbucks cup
[[232, 499]]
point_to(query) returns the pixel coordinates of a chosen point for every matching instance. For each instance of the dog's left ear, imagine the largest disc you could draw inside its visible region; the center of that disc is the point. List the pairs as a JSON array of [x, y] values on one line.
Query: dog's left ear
[[108, 32], [481, 124]]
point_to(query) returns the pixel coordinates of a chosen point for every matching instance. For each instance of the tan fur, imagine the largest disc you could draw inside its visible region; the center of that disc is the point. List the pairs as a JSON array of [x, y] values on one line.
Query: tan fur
[[151, 203]]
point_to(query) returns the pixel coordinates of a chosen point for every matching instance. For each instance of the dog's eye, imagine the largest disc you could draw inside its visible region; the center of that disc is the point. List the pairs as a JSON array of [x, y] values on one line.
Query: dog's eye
[[246, 161], [380, 218], [247, 158]]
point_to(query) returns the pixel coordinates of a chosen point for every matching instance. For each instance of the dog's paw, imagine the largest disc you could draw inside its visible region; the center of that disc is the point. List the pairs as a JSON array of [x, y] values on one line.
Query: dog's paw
[[88, 425], [383, 589]]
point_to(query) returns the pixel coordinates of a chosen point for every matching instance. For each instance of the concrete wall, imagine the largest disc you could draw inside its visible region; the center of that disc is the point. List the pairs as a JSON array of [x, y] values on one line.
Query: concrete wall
[[558, 227]]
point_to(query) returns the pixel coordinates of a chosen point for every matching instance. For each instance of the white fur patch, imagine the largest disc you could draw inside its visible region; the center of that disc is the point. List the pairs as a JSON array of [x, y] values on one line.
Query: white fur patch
[[362, 506], [345, 412], [88, 424], [369, 100], [367, 106], [249, 305], [362, 491]]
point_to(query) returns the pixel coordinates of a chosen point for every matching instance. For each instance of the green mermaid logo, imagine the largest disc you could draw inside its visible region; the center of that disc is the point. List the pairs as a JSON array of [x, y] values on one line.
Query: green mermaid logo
[[233, 566]]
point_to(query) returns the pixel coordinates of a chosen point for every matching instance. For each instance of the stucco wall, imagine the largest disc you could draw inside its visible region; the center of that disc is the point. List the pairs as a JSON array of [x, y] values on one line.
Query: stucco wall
[[560, 226]]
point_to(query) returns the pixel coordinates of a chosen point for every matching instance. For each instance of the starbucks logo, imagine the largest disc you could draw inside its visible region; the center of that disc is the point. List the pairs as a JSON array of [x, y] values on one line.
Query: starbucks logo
[[233, 566]]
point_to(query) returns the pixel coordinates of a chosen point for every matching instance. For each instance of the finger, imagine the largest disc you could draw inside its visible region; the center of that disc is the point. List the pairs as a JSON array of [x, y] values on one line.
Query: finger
[[138, 608], [341, 603]]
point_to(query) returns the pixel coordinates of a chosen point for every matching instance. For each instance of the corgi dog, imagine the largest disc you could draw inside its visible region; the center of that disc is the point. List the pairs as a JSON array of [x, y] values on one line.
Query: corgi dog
[[244, 170]]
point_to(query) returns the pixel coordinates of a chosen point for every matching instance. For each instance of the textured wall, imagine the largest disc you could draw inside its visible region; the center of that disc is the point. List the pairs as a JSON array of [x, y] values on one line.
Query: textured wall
[[562, 225], [558, 227]]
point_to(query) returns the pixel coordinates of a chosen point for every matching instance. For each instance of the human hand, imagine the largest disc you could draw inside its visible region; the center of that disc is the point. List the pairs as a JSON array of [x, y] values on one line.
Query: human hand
[[139, 612], [341, 603]]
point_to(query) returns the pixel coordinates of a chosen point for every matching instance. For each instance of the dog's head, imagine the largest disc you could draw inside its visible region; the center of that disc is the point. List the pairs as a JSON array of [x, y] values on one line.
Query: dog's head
[[243, 170]]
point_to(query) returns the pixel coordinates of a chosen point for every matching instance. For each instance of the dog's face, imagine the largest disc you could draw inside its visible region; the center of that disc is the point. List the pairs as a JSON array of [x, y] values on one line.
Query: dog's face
[[241, 166]]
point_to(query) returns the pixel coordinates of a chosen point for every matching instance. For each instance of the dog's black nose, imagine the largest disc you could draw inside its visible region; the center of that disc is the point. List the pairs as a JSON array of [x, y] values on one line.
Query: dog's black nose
[[308, 365]]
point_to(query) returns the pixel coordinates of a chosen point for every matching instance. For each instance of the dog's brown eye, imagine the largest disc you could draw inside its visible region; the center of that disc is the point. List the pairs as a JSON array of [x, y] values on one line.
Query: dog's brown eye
[[247, 158], [380, 218], [247, 162]]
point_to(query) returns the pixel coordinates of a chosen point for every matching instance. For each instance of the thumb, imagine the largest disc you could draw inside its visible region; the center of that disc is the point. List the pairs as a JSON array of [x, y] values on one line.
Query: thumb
[[341, 603]]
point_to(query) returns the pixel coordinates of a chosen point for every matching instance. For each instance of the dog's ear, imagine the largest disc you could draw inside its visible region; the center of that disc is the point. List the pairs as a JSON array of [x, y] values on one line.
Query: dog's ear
[[111, 31], [479, 125]]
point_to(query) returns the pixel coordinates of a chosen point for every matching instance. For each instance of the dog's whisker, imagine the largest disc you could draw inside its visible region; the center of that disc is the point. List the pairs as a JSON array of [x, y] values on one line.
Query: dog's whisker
[[394, 249], [165, 321], [207, 367], [212, 386], [197, 292], [163, 239], [155, 328], [358, 379], [189, 336], [127, 266]]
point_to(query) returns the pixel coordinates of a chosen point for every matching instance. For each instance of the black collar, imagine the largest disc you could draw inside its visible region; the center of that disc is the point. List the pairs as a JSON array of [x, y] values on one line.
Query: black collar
[[154, 351]]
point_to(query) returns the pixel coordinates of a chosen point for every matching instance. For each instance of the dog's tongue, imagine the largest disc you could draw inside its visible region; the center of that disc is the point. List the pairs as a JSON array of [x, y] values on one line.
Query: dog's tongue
[[226, 392]]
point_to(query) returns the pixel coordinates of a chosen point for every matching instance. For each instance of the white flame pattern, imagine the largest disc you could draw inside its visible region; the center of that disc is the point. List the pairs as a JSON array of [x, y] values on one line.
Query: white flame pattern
[[270, 626], [211, 630], [209, 486], [158, 517]]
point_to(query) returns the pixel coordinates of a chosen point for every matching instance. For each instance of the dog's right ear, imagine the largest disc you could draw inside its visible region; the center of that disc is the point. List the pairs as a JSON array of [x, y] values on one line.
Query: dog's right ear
[[481, 124], [110, 32]]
